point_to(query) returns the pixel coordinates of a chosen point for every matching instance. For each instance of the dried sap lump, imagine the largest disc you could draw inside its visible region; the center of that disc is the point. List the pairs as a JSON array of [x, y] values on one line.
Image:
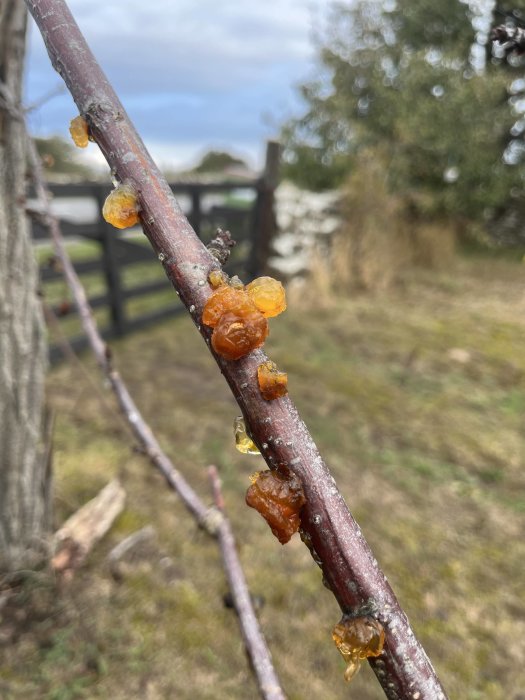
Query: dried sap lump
[[243, 441], [268, 295], [272, 383], [238, 314], [278, 497], [78, 129], [121, 207], [357, 638], [217, 277]]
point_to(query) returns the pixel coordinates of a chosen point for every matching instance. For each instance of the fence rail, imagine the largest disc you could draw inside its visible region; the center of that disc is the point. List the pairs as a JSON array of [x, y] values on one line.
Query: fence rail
[[120, 256]]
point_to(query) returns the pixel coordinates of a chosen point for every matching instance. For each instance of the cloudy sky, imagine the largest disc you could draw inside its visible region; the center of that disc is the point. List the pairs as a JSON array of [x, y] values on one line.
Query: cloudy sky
[[192, 74]]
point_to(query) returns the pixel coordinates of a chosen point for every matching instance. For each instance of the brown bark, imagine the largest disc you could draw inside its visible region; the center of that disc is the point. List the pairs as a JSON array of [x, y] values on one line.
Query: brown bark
[[24, 477]]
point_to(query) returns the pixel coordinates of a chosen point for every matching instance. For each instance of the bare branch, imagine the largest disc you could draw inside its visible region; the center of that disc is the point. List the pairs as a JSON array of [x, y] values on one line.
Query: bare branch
[[349, 566], [140, 428], [69, 353], [251, 632], [45, 98], [78, 534]]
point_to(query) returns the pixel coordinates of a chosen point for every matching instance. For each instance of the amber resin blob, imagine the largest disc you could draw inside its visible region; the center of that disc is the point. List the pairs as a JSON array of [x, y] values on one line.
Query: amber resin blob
[[268, 295], [236, 315], [79, 131], [357, 638], [272, 383], [121, 208], [278, 496]]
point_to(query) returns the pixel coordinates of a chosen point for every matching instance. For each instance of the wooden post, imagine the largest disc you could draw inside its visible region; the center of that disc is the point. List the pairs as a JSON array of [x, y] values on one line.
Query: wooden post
[[264, 225], [196, 214], [111, 269]]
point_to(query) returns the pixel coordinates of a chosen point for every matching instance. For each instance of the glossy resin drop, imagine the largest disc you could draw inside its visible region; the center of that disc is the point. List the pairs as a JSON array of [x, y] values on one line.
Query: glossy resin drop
[[243, 441], [357, 638], [278, 496], [223, 300], [121, 207], [272, 383], [238, 316], [237, 334], [268, 295], [78, 129]]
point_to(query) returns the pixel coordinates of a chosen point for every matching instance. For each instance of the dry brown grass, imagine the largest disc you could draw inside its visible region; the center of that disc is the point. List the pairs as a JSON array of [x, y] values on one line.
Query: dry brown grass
[[378, 241]]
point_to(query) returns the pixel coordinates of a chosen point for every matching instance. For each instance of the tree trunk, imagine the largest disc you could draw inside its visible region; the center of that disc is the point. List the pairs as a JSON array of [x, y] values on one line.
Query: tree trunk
[[24, 469]]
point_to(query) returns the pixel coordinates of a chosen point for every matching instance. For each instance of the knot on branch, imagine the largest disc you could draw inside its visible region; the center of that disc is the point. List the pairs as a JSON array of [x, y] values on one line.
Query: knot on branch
[[220, 246], [212, 520]]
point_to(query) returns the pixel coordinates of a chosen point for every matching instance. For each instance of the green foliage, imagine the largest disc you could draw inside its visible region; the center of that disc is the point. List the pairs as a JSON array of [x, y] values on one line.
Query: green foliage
[[61, 157], [401, 78], [216, 162]]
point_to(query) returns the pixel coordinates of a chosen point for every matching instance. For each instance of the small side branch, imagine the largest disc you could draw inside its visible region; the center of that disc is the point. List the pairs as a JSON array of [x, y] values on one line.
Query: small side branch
[[251, 632], [139, 427], [78, 534]]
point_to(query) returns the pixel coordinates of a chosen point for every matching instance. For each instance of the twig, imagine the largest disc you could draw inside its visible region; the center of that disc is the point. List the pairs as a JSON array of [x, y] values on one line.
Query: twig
[[77, 536], [140, 428], [212, 520], [269, 686], [46, 97], [128, 544], [349, 567], [69, 353], [251, 632]]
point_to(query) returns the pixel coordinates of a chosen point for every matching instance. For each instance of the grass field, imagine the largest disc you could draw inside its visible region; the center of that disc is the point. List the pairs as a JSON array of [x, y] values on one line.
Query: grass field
[[417, 401]]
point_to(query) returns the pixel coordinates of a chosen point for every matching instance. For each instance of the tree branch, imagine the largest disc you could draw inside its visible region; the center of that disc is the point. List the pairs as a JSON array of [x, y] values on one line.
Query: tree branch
[[349, 566], [250, 629], [213, 520]]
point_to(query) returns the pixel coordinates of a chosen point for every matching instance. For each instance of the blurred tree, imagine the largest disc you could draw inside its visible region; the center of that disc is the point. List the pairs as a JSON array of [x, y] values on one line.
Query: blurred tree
[[404, 78], [216, 162], [24, 474], [61, 157]]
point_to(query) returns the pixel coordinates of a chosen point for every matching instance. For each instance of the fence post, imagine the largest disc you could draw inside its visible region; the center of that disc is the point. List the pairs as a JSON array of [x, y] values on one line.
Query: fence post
[[111, 269], [196, 214], [264, 225]]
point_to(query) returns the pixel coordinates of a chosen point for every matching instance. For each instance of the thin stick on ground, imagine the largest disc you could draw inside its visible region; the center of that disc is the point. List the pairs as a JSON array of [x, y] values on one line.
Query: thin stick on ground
[[248, 622], [349, 567], [212, 519]]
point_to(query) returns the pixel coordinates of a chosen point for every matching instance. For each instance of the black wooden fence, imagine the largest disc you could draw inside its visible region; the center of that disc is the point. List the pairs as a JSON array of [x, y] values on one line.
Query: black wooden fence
[[243, 207]]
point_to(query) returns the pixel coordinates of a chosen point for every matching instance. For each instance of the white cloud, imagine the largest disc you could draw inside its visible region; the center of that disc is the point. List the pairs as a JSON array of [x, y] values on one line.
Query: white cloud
[[199, 72]]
